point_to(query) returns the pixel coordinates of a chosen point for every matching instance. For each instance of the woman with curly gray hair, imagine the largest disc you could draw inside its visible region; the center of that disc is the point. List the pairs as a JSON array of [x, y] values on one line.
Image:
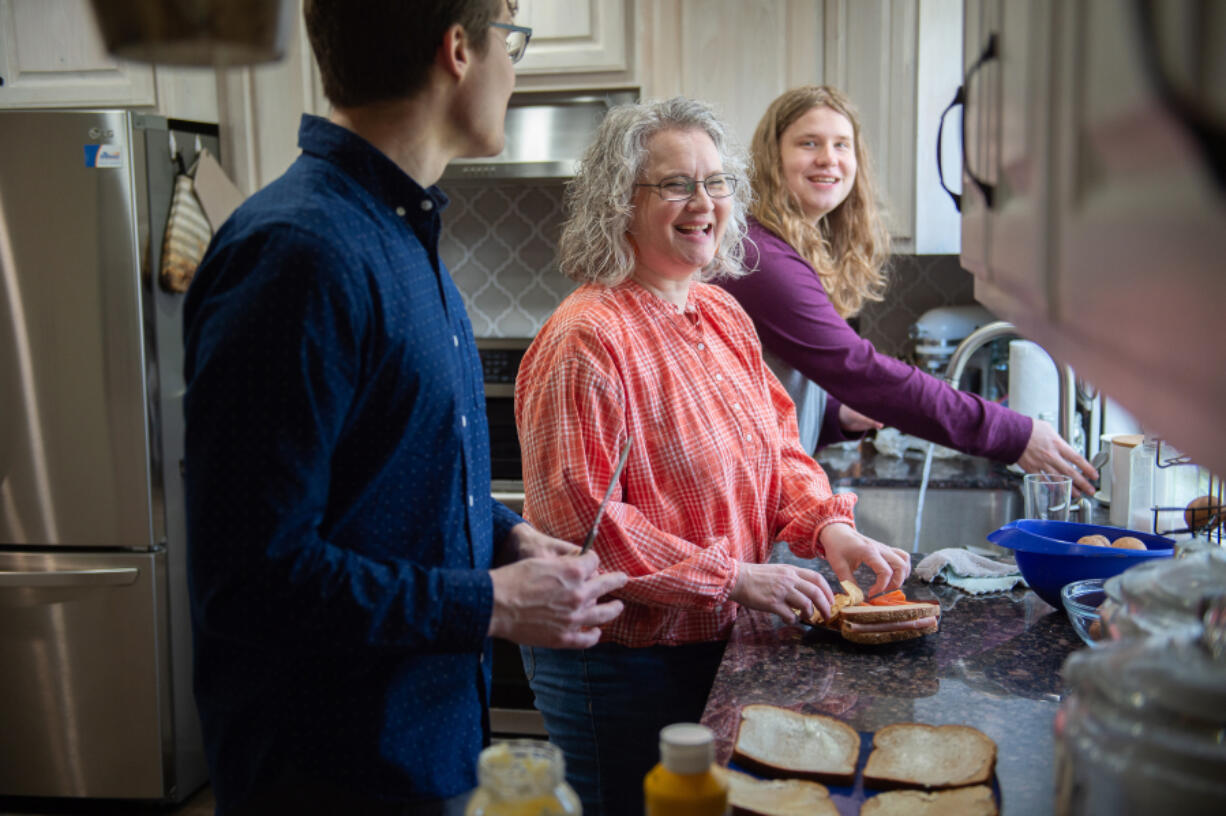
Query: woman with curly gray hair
[[646, 356]]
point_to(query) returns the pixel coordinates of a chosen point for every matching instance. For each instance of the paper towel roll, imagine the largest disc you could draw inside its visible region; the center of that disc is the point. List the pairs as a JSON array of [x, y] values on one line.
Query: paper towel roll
[[1034, 387], [1116, 419]]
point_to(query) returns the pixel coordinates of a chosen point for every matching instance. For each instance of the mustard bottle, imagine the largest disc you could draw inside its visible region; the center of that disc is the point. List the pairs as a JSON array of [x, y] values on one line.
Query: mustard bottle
[[522, 778], [683, 784]]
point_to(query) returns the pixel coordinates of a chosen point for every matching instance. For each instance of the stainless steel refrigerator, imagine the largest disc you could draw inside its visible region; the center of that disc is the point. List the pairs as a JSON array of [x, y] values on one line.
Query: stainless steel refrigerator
[[95, 638]]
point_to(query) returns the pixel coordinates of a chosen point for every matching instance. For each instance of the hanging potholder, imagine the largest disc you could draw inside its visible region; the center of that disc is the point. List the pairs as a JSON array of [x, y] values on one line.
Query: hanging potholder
[[187, 235]]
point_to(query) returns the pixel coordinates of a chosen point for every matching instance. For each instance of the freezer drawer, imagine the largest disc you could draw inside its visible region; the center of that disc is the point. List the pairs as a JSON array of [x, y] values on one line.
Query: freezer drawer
[[84, 694]]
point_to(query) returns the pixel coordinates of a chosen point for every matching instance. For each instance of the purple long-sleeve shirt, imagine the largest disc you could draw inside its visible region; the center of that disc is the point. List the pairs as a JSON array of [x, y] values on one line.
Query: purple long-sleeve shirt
[[799, 325]]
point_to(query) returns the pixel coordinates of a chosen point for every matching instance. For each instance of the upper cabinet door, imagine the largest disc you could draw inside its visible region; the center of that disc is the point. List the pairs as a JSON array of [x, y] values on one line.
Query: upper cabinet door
[[738, 55], [52, 56], [1020, 169], [574, 36]]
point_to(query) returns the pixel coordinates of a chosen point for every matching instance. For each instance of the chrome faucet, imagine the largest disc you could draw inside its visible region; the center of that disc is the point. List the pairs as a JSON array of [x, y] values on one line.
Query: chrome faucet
[[1066, 382]]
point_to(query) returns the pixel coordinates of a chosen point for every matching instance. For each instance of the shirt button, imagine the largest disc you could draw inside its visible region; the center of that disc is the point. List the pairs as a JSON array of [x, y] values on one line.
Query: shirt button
[[701, 347], [736, 406], [470, 497], [456, 340], [427, 204], [481, 657], [400, 211], [748, 438], [719, 377], [463, 421]]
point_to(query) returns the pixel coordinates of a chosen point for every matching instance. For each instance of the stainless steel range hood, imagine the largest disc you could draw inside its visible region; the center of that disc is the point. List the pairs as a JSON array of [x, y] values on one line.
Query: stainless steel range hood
[[547, 132]]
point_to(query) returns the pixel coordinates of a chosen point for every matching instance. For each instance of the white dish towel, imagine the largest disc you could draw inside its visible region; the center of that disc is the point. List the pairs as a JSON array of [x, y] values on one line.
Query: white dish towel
[[969, 571]]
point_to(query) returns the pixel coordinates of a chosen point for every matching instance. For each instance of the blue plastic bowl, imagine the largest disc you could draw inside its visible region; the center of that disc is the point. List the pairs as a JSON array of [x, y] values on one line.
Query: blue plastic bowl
[[1049, 556]]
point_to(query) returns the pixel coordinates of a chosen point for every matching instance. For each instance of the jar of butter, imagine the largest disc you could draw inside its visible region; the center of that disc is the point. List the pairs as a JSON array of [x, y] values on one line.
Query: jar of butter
[[522, 778]]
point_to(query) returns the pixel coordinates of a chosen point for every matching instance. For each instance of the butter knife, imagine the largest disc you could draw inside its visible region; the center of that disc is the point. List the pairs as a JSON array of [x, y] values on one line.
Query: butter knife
[[617, 472]]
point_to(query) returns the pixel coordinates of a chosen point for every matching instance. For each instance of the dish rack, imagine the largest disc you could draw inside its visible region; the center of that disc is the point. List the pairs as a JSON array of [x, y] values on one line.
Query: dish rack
[[1216, 493]]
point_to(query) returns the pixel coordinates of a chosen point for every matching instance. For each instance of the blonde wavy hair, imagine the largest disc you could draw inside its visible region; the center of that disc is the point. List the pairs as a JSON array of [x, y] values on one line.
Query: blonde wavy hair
[[594, 246], [850, 246]]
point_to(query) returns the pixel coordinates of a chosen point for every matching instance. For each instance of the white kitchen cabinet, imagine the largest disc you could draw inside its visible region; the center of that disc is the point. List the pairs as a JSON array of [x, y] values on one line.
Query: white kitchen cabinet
[[1105, 235], [575, 37], [51, 55], [737, 55]]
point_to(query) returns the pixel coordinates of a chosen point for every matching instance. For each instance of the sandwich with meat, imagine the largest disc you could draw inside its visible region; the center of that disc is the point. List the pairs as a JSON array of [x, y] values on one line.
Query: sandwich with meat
[[884, 619]]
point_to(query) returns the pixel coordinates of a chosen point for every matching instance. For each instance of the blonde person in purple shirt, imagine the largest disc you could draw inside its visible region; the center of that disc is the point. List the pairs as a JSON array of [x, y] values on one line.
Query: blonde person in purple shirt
[[817, 247]]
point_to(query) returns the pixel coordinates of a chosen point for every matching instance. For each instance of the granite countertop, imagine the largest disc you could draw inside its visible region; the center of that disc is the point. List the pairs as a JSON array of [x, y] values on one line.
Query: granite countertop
[[859, 464], [994, 665]]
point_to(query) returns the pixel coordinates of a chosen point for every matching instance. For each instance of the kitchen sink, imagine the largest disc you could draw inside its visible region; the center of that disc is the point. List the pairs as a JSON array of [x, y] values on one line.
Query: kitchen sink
[[953, 516]]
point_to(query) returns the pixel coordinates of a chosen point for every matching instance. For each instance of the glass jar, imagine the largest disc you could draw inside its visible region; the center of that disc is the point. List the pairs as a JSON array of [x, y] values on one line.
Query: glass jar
[[522, 778], [1163, 596], [1140, 730], [1141, 468]]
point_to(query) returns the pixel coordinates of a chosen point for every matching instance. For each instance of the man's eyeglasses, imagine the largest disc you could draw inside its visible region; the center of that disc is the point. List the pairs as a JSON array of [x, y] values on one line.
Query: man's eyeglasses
[[683, 188], [517, 39]]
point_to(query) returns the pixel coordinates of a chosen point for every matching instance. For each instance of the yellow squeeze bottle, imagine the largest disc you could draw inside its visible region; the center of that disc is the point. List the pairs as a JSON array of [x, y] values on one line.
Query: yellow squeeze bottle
[[683, 784]]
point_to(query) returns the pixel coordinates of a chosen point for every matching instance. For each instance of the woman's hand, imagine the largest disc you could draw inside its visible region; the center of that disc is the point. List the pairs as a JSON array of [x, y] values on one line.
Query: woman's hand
[[782, 589], [847, 549], [1047, 452], [852, 421]]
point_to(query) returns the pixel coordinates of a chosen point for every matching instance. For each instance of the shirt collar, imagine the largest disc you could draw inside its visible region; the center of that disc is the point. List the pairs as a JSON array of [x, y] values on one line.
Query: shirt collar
[[659, 305], [370, 168]]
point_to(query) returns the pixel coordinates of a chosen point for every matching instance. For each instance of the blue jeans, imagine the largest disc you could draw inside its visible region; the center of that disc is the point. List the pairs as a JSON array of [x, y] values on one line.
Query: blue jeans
[[605, 706]]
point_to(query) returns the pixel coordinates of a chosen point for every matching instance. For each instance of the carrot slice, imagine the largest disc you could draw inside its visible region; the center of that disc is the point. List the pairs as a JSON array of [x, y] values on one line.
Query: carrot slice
[[894, 598]]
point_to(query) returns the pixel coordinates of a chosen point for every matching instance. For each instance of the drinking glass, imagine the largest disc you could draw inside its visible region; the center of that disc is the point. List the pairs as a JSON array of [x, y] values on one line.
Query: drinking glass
[[1047, 496]]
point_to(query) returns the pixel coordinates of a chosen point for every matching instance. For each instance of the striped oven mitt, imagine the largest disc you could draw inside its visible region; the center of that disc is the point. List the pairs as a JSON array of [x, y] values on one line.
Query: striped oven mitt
[[187, 233]]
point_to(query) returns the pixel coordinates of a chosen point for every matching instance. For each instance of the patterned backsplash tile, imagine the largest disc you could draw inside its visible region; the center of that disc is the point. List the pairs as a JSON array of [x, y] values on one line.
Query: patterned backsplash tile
[[499, 242]]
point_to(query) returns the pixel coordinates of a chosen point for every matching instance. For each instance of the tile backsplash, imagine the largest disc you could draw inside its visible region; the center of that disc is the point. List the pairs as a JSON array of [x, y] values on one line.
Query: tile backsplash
[[499, 242]]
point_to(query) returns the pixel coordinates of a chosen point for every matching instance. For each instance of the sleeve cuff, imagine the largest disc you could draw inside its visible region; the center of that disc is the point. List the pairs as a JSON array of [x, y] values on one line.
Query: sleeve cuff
[[466, 604], [504, 519]]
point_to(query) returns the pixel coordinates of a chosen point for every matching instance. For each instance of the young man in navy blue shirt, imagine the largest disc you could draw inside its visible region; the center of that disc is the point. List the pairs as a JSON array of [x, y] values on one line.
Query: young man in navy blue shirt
[[347, 563]]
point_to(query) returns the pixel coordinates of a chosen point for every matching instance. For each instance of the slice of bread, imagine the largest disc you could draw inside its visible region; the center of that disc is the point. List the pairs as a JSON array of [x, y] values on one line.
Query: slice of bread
[[748, 796], [973, 801], [912, 755], [865, 623], [776, 742]]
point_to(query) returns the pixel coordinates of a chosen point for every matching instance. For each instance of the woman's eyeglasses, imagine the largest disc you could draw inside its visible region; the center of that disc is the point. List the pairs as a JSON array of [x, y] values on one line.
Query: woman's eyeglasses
[[683, 188], [517, 39]]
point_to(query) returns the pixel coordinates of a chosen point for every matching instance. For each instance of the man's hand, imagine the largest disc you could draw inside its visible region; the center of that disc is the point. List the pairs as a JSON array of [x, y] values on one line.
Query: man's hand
[[847, 549], [553, 601], [781, 588]]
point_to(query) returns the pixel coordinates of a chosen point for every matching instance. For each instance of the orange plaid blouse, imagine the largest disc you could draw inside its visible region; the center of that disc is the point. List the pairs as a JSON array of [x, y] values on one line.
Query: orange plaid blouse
[[716, 472]]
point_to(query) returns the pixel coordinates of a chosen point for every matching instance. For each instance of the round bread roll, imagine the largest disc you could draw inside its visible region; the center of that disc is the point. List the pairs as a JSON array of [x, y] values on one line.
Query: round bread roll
[[1095, 540], [1128, 543]]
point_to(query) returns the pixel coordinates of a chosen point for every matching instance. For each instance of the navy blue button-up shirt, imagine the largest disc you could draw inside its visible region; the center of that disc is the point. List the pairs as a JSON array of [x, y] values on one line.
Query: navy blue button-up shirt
[[340, 524]]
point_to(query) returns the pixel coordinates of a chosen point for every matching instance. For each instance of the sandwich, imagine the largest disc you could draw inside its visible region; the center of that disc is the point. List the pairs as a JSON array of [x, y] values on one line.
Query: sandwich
[[884, 619]]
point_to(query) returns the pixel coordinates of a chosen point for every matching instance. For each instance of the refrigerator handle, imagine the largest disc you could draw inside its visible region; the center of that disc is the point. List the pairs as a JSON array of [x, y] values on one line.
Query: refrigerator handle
[[69, 578]]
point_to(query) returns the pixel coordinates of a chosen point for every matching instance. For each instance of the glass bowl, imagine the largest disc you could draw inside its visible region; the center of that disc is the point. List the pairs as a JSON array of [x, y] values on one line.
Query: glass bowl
[[1081, 600]]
